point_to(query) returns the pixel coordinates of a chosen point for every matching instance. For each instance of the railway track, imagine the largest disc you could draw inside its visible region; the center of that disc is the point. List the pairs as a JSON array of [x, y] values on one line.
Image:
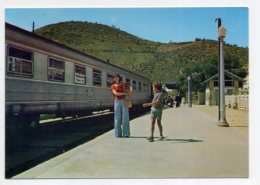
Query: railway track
[[53, 138]]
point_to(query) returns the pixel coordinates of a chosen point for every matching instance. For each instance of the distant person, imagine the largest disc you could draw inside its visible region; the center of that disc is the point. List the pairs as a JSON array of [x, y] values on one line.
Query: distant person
[[156, 110], [170, 101], [121, 113], [178, 100]]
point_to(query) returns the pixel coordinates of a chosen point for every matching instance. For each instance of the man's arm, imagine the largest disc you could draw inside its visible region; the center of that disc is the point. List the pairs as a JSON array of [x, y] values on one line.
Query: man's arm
[[157, 102]]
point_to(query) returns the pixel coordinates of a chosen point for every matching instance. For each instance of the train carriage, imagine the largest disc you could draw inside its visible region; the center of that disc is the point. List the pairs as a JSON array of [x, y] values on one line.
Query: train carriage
[[46, 77]]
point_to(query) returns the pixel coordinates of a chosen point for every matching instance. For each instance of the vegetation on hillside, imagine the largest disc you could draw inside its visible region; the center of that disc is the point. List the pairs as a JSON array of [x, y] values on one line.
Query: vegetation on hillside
[[163, 62]]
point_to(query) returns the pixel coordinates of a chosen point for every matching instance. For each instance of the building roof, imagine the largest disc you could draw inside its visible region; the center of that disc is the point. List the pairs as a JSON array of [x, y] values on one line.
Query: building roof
[[171, 85], [226, 73]]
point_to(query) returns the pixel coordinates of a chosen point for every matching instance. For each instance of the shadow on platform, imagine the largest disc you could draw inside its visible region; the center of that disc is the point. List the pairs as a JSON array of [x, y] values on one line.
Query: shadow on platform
[[238, 126], [183, 140], [168, 139], [138, 137]]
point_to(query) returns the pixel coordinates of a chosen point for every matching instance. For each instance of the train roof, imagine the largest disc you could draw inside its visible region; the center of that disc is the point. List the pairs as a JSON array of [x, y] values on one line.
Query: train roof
[[32, 34]]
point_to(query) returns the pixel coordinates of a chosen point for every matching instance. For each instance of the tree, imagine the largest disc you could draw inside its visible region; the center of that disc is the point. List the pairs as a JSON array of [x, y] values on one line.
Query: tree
[[206, 68]]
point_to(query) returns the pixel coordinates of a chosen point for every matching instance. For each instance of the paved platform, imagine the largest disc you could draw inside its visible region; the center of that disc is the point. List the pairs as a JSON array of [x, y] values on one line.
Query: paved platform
[[194, 147]]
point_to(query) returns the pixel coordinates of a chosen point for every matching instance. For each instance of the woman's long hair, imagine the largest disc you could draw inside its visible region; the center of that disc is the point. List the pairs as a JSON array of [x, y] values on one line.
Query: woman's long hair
[[117, 75]]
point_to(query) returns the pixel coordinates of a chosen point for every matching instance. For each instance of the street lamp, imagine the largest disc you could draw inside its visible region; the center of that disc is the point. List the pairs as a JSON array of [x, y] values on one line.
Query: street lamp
[[189, 91], [222, 121]]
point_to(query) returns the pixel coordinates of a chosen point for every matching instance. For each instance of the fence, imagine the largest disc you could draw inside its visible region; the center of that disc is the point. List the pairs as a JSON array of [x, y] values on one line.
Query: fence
[[237, 101]]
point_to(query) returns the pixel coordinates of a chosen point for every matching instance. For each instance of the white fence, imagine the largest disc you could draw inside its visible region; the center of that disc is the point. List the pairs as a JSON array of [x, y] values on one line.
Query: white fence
[[237, 101]]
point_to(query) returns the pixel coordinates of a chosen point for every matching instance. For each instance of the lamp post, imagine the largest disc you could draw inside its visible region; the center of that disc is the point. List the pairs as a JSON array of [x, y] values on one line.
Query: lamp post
[[189, 90], [222, 121], [219, 24]]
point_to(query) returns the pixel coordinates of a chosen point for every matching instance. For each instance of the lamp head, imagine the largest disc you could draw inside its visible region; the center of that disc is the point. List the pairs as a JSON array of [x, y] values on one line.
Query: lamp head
[[222, 32]]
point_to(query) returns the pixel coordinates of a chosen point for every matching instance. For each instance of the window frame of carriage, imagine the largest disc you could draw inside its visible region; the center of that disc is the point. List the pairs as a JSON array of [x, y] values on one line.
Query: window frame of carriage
[[134, 85], [98, 73], [128, 81], [144, 87], [21, 61], [55, 69], [140, 86], [109, 79], [79, 74]]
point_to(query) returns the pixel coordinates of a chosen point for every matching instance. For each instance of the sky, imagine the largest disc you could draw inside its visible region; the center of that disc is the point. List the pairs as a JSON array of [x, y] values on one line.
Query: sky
[[156, 24]]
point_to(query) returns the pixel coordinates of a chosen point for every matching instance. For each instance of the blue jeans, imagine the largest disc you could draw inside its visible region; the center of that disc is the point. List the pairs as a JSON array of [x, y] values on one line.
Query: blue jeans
[[121, 114]]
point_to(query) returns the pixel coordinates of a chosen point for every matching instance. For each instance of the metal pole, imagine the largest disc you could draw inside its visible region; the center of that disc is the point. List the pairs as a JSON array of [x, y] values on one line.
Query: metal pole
[[222, 107], [188, 98], [190, 91], [33, 25], [219, 24]]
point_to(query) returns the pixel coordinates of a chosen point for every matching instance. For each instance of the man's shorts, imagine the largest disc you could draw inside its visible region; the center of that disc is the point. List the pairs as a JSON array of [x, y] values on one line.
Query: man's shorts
[[156, 113]]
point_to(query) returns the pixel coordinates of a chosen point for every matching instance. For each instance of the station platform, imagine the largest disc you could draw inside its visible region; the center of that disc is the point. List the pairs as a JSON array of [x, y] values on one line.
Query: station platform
[[193, 147]]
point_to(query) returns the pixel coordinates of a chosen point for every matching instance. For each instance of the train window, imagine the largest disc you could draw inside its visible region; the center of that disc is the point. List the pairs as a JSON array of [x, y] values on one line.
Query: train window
[[144, 87], [56, 70], [97, 80], [123, 78], [80, 74], [139, 86], [128, 81], [20, 62], [109, 80], [134, 84]]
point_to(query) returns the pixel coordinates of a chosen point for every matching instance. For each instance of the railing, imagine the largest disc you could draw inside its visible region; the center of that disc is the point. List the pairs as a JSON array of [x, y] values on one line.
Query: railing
[[237, 101]]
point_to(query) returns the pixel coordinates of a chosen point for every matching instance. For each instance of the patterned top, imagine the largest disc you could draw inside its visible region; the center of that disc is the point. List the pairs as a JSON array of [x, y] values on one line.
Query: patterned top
[[158, 96]]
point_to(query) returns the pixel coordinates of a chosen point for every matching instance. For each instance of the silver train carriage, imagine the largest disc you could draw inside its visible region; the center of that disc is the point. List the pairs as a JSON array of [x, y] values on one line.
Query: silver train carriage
[[46, 77]]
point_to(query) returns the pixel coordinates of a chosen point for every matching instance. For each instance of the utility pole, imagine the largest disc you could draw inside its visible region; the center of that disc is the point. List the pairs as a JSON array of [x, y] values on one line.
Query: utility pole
[[189, 90], [219, 24], [222, 121], [33, 25]]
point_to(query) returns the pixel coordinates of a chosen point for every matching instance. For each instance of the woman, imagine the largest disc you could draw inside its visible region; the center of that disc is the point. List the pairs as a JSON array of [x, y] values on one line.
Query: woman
[[120, 90]]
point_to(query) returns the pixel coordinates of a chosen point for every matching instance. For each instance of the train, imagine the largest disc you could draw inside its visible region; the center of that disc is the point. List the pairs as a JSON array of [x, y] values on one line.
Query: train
[[43, 76]]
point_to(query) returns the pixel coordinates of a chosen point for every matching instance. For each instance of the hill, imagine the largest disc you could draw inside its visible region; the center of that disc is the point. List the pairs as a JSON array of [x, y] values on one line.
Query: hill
[[158, 61]]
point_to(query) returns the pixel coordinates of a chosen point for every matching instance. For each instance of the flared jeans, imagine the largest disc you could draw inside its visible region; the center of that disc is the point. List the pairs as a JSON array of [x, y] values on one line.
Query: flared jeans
[[121, 123]]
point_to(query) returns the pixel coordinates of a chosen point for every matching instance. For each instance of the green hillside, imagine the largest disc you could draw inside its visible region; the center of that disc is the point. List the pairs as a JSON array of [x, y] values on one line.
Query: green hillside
[[162, 62]]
